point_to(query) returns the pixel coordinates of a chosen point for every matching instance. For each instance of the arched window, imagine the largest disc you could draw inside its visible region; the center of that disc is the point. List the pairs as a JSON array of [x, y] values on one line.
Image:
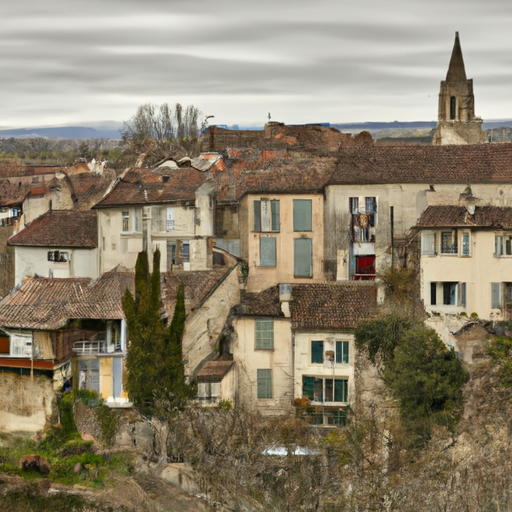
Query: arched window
[[452, 107]]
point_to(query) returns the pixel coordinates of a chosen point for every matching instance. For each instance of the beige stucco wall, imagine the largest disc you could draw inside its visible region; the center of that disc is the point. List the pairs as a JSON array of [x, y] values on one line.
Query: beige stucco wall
[[205, 324], [408, 202], [478, 272], [304, 366], [260, 277], [25, 403], [34, 260], [248, 360]]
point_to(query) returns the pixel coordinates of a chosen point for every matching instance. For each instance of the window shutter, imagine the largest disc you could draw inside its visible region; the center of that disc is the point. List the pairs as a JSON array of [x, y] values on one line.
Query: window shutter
[[308, 387], [345, 351], [498, 246], [303, 257], [496, 296], [268, 251], [257, 215], [317, 351], [264, 334], [433, 294], [275, 215], [340, 391], [264, 383], [338, 351], [302, 212], [428, 243]]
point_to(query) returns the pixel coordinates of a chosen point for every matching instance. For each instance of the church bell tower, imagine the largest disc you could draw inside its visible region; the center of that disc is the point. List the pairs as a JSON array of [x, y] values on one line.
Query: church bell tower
[[456, 122]]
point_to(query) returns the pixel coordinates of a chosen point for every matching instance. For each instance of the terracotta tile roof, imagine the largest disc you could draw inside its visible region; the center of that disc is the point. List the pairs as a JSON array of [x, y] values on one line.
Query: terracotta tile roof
[[270, 171], [196, 284], [265, 303], [88, 188], [102, 298], [483, 163], [60, 228], [214, 371], [41, 303], [458, 216], [146, 186], [332, 305]]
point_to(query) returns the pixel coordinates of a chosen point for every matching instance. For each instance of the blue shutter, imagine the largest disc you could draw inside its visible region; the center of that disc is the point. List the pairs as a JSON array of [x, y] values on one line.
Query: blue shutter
[[257, 215], [317, 351], [302, 214], [268, 251], [264, 383], [303, 257]]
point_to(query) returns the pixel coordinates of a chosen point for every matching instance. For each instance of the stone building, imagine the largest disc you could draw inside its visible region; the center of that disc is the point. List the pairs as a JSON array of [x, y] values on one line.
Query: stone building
[[457, 123]]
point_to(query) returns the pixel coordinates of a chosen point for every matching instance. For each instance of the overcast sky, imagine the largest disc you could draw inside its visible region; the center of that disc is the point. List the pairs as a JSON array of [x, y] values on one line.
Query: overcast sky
[[76, 62]]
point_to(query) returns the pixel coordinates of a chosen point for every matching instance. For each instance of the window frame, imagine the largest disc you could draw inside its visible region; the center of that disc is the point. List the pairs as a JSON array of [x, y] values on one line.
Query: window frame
[[453, 247], [270, 210], [319, 389], [342, 352], [264, 334]]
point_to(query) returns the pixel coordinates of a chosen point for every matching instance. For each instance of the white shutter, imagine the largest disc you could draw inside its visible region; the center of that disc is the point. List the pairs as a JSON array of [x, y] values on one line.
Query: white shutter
[[428, 243]]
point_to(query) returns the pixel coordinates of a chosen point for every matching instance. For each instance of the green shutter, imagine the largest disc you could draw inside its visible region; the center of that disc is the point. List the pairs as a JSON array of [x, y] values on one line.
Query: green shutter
[[302, 214], [341, 391], [264, 383], [267, 251], [308, 387], [264, 334], [345, 351], [303, 257], [342, 352], [274, 204], [338, 351], [317, 351], [257, 215]]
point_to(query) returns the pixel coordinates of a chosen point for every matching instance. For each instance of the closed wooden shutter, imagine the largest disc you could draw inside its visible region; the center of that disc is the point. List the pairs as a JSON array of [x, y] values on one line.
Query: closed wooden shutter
[[268, 251], [264, 383], [302, 214], [257, 215], [303, 257], [317, 351]]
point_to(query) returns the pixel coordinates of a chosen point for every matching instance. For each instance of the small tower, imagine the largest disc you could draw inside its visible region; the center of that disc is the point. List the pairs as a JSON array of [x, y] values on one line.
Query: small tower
[[456, 122]]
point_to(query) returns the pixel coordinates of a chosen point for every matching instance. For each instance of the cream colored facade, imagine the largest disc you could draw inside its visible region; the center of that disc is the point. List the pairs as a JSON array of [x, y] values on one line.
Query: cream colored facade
[[254, 366], [474, 279], [333, 373], [271, 239], [404, 203], [72, 262]]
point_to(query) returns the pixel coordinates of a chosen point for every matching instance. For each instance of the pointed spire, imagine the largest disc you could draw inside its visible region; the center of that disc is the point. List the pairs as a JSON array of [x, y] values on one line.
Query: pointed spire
[[456, 70]]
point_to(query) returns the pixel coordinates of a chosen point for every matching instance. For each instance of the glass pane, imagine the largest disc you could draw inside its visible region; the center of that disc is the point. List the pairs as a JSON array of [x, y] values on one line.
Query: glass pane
[[339, 351], [268, 252], [308, 387], [302, 214], [340, 392], [328, 390], [319, 390]]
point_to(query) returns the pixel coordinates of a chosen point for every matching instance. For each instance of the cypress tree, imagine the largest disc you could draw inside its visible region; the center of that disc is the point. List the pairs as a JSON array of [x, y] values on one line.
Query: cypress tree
[[154, 362]]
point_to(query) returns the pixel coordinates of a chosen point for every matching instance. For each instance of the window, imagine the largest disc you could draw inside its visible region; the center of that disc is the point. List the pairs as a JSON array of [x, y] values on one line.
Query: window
[[466, 244], [433, 294], [185, 251], [303, 257], [266, 215], [325, 390], [363, 218], [449, 293], [137, 220], [208, 391], [496, 301], [317, 352], [264, 385], [302, 214], [58, 256], [126, 220], [502, 245], [453, 103], [267, 251], [264, 334], [428, 243], [342, 352], [448, 242], [169, 220]]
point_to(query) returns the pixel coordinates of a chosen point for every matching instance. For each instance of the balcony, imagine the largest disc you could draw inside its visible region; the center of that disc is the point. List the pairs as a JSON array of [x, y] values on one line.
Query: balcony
[[96, 345]]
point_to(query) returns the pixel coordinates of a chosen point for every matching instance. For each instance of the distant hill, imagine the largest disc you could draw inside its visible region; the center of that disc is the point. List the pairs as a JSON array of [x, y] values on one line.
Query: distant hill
[[61, 132]]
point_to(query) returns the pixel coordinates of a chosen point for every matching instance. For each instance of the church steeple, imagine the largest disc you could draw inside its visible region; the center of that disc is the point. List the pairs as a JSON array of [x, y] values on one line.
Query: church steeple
[[456, 70], [457, 123]]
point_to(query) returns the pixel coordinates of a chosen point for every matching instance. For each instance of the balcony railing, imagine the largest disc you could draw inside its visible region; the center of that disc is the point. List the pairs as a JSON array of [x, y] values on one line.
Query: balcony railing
[[95, 346]]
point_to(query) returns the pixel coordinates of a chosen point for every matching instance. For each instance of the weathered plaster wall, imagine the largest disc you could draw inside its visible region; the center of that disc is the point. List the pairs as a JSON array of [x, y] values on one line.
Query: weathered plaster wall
[[205, 324], [261, 277], [25, 404], [248, 360]]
